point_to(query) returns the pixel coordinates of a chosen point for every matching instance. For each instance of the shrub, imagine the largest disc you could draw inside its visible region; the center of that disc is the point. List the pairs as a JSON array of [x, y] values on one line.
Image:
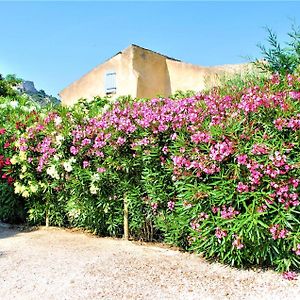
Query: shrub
[[216, 173]]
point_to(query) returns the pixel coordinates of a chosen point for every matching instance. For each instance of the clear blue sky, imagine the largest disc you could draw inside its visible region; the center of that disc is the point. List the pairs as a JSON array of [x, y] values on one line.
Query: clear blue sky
[[55, 43]]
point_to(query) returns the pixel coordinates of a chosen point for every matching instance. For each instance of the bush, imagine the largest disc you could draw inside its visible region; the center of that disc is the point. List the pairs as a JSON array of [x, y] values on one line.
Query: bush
[[216, 173]]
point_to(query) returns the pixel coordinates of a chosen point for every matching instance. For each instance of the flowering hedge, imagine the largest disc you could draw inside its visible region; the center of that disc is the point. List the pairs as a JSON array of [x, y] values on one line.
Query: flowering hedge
[[214, 173]]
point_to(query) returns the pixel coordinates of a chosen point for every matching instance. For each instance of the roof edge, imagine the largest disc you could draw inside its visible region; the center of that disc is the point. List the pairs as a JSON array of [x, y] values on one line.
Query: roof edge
[[166, 56]]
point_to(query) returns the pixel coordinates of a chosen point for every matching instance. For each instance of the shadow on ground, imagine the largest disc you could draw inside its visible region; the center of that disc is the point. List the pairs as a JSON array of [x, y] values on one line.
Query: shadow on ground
[[8, 230]]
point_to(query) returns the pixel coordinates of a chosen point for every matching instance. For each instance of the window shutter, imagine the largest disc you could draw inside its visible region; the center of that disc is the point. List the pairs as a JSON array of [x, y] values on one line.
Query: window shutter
[[110, 83]]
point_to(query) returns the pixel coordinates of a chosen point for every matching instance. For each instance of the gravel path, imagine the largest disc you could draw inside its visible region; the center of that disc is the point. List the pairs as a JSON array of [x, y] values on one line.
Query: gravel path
[[60, 264]]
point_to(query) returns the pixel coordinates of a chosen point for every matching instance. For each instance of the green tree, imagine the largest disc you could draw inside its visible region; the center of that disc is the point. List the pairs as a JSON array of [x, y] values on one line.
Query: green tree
[[281, 59]]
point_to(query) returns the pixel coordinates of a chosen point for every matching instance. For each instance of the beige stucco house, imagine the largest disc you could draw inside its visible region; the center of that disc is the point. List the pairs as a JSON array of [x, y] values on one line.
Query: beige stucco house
[[143, 73]]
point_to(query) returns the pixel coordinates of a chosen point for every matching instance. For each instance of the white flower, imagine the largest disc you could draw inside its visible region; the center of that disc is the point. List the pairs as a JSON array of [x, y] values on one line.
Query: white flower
[[57, 120], [94, 189], [25, 194], [51, 171], [14, 104], [19, 189], [57, 157], [95, 177], [17, 144], [31, 108], [32, 187], [59, 138], [72, 160], [14, 160], [24, 169], [67, 166], [22, 156]]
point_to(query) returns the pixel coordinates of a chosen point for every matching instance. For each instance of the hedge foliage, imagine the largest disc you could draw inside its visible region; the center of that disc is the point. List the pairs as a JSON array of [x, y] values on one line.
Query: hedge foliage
[[216, 173]]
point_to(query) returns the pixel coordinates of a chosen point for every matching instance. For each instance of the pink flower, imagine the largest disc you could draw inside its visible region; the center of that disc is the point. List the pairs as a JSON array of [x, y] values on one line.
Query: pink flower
[[221, 150], [203, 216], [259, 149], [295, 95], [280, 123], [242, 159], [275, 78], [171, 205], [262, 208], [2, 130], [278, 233], [182, 150], [73, 150], [165, 150], [200, 137], [290, 275], [278, 159], [173, 136], [242, 187], [194, 225], [154, 206], [121, 141], [101, 170], [228, 213], [219, 233], [215, 209], [85, 164], [297, 250], [237, 243], [85, 142], [290, 79]]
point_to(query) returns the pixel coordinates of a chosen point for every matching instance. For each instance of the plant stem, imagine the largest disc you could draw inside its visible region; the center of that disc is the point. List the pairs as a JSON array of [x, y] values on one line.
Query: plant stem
[[126, 228]]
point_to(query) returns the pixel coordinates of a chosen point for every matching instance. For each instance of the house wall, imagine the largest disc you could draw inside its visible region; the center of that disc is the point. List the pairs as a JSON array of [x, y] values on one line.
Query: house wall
[[93, 83], [184, 76], [145, 74], [151, 72]]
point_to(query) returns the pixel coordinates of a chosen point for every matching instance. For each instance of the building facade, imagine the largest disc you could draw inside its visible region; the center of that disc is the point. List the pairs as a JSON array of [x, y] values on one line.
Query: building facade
[[142, 73]]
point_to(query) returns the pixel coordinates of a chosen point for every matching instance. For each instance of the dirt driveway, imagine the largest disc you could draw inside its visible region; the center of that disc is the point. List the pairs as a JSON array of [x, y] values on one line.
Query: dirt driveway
[[59, 264]]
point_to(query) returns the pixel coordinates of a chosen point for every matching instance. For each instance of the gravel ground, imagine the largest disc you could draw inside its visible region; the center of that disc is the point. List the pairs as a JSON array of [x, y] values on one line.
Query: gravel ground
[[51, 263]]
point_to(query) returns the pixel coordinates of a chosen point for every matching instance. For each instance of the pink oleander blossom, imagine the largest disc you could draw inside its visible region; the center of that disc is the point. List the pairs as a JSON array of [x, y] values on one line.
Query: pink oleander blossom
[[154, 206], [277, 232], [275, 79], [290, 275], [228, 212], [237, 243], [73, 150], [259, 149], [242, 159], [220, 234], [220, 151], [241, 187], [297, 249], [85, 164], [295, 95], [101, 170], [171, 205]]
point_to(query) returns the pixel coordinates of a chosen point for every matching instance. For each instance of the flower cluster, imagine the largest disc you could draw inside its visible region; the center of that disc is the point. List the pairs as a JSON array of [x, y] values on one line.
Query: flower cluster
[[277, 232]]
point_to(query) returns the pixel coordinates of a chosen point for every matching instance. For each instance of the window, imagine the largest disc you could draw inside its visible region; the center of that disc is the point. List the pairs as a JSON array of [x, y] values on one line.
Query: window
[[110, 83]]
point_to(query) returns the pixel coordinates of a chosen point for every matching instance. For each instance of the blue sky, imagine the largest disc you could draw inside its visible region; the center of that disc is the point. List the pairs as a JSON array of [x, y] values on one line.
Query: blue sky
[[55, 43]]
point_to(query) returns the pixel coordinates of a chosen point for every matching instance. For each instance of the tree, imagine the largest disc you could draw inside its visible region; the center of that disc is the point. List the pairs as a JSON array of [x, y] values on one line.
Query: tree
[[279, 59]]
